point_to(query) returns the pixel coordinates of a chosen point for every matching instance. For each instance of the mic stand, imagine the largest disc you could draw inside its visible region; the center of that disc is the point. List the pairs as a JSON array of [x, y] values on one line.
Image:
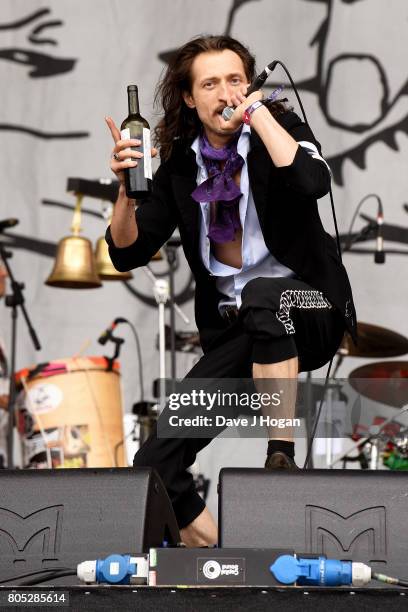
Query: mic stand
[[13, 301], [118, 343], [360, 236]]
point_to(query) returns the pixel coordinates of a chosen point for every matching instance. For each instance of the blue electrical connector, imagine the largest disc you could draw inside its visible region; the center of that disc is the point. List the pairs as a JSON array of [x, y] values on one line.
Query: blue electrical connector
[[319, 571], [115, 569]]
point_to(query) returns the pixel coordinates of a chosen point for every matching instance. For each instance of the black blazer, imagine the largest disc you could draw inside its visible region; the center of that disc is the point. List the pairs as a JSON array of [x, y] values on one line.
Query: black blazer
[[285, 200]]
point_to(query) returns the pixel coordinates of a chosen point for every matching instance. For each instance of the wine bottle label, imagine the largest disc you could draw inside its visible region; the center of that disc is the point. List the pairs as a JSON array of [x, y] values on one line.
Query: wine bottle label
[[147, 153], [125, 135]]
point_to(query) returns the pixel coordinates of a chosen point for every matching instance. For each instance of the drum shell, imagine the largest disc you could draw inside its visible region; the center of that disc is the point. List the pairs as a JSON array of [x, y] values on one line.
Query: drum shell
[[77, 404]]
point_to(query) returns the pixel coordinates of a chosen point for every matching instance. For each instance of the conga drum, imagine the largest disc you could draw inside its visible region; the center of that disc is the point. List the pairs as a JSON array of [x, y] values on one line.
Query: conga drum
[[69, 414]]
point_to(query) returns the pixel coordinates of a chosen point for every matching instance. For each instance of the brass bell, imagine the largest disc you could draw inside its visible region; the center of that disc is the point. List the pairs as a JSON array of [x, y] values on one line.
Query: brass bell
[[74, 266], [104, 265]]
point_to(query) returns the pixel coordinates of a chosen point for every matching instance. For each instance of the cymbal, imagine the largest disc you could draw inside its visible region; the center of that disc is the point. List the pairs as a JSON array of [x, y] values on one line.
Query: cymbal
[[384, 381], [375, 341]]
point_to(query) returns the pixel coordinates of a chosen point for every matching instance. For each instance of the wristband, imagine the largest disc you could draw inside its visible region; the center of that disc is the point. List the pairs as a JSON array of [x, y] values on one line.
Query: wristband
[[246, 117]]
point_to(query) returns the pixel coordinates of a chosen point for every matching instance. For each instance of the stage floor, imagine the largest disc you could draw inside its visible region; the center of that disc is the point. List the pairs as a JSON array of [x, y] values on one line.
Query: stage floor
[[222, 599]]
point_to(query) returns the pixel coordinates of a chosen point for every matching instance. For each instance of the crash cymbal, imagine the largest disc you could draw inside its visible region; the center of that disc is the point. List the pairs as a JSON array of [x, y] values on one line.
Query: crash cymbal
[[384, 381], [375, 341]]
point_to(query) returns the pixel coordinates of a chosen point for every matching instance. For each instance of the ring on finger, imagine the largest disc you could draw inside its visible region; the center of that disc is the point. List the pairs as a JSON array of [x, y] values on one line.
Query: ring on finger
[[116, 156]]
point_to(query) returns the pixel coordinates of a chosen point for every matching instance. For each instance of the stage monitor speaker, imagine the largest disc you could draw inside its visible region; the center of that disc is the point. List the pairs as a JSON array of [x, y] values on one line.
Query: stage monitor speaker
[[58, 518], [343, 514]]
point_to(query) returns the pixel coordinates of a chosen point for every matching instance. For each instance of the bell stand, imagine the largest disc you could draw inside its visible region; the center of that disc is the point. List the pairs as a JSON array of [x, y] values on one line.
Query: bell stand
[[170, 248], [161, 291], [13, 301]]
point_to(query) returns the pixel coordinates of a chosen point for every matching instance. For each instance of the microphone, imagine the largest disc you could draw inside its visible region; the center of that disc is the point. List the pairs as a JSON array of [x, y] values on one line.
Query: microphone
[[104, 337], [107, 334], [379, 255], [255, 85], [6, 223]]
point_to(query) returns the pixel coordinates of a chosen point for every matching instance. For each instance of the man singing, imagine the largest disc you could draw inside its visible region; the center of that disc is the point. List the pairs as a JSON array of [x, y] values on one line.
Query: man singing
[[272, 297]]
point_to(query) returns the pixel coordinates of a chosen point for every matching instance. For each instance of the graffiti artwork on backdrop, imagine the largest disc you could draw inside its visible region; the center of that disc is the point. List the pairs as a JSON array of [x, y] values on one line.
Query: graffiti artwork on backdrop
[[357, 64], [42, 63], [38, 55]]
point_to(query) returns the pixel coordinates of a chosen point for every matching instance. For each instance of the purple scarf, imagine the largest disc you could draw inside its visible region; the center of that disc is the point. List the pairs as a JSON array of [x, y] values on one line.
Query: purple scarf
[[221, 188]]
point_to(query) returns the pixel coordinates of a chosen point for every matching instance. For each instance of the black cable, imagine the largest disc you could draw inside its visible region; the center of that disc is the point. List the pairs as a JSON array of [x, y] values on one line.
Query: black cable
[[272, 67], [139, 353], [141, 381], [389, 579], [53, 570], [317, 417], [335, 225], [310, 444], [47, 578], [139, 356]]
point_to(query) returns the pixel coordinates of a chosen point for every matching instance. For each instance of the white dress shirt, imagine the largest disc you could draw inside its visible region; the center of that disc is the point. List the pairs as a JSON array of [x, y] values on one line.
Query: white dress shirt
[[257, 261]]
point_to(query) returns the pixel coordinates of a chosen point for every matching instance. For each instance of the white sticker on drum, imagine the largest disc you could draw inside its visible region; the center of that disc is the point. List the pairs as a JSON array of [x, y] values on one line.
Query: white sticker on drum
[[44, 398]]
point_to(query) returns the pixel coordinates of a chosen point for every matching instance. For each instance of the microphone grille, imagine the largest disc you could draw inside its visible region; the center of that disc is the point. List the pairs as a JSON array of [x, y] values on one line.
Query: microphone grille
[[227, 113]]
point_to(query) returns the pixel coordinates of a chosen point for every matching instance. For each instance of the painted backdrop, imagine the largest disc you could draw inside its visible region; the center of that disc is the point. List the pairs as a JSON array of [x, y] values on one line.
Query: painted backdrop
[[65, 64]]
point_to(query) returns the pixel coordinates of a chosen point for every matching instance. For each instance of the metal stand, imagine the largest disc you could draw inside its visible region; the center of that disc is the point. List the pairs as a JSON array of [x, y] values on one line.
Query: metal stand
[[332, 396], [13, 301], [375, 453], [170, 248], [374, 435], [310, 409], [161, 293]]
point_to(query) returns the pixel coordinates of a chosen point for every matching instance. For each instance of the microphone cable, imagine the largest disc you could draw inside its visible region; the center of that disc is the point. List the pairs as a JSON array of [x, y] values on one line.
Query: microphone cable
[[326, 382], [37, 578]]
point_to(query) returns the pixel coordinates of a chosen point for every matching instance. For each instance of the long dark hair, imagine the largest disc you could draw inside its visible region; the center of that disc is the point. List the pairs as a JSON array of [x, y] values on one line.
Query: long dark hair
[[179, 121]]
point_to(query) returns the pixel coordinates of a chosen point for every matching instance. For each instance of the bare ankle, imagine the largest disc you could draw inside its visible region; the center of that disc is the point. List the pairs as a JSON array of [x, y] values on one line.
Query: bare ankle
[[202, 531]]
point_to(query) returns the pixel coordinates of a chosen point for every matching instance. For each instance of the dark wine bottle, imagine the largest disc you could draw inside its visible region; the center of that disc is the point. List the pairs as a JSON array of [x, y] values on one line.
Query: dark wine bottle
[[138, 179]]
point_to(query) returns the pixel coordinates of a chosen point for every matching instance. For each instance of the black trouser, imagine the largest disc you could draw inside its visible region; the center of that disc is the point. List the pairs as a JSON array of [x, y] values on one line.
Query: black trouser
[[280, 318]]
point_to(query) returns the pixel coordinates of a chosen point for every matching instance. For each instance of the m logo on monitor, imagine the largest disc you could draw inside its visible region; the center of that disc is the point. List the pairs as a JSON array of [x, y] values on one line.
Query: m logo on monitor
[[361, 534], [37, 533]]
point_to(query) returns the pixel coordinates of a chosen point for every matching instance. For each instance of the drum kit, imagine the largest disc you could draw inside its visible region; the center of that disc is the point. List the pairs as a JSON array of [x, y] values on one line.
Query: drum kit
[[383, 382], [69, 413]]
